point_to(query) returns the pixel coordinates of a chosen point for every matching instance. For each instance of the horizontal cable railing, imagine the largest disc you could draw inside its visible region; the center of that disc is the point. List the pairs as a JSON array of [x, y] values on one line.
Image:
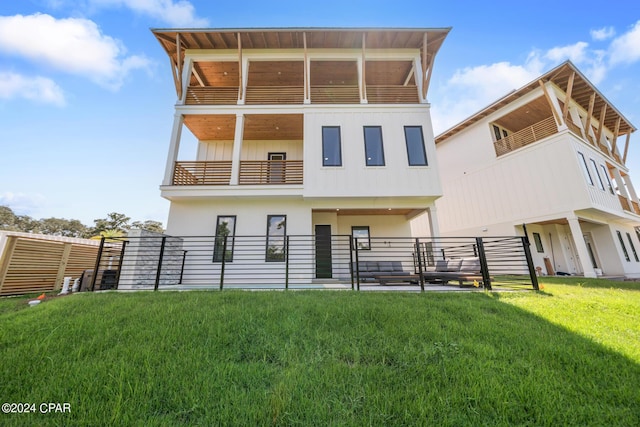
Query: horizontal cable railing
[[202, 173], [274, 95], [526, 136], [271, 172], [336, 261], [198, 95], [392, 94]]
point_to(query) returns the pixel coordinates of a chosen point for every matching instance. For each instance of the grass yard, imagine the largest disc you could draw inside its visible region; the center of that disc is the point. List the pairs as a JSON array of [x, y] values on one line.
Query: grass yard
[[568, 355]]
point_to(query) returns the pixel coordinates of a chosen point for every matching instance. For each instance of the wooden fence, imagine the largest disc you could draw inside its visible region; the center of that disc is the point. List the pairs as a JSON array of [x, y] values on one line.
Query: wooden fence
[[39, 263]]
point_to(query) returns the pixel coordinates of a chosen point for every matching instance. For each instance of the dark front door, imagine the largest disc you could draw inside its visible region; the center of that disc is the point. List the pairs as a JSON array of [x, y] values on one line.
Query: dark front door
[[276, 168], [323, 252]]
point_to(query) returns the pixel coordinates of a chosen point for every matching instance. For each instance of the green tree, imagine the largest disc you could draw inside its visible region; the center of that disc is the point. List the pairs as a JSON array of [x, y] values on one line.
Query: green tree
[[149, 225], [7, 218], [114, 221]]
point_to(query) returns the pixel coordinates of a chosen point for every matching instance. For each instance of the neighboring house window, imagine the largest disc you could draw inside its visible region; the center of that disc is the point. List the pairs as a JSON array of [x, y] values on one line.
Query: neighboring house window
[[633, 248], [585, 168], [595, 168], [276, 232], [373, 148], [624, 248], [499, 132], [415, 146], [538, 241], [331, 150], [226, 227], [361, 234], [606, 175]]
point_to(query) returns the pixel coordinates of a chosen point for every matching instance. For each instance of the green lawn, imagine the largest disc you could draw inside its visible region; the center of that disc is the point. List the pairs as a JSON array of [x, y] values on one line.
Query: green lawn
[[568, 355]]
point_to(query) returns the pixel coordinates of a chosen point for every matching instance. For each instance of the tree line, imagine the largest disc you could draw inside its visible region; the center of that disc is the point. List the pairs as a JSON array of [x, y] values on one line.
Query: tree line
[[114, 224]]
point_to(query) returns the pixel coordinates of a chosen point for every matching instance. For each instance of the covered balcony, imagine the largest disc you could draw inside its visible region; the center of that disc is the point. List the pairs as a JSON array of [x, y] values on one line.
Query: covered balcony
[[268, 153]]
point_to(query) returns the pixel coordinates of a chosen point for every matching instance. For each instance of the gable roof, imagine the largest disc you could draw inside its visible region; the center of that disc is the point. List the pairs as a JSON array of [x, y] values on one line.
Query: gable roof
[[581, 93]]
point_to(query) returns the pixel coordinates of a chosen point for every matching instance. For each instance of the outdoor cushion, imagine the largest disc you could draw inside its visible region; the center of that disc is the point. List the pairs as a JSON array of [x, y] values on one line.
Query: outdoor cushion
[[454, 264], [397, 266], [441, 265], [385, 266], [470, 264]]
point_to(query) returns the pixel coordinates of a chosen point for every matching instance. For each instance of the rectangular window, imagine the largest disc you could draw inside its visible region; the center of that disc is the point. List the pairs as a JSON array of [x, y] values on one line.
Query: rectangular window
[[361, 235], [606, 176], [276, 233], [373, 148], [415, 146], [624, 248], [633, 248], [538, 241], [585, 168], [331, 150], [595, 168], [225, 227]]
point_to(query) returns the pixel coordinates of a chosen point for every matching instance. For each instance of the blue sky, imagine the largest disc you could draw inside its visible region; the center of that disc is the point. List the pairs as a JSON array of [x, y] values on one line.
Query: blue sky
[[86, 93]]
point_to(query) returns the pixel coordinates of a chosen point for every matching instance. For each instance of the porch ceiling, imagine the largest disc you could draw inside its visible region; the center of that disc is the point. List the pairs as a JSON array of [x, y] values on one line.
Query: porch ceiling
[[527, 115], [221, 127], [343, 212]]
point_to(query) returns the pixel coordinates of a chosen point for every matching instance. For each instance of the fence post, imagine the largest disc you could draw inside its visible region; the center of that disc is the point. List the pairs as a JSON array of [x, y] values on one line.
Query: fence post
[[420, 276], [286, 262], [532, 271], [184, 257], [159, 271], [355, 239], [351, 262], [124, 245], [486, 278], [95, 270], [224, 261]]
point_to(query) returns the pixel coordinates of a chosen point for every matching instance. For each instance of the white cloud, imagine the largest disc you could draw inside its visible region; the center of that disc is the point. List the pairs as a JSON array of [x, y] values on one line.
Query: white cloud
[[603, 33], [39, 89], [72, 45], [626, 48], [180, 13], [21, 203], [577, 53]]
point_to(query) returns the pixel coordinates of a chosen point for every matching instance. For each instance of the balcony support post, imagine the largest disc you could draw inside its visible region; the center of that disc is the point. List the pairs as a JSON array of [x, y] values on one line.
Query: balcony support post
[[237, 149], [174, 147]]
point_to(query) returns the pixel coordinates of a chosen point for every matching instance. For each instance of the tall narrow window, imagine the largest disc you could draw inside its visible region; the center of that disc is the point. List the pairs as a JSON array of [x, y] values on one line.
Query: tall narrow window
[[607, 179], [585, 168], [373, 149], [361, 235], [276, 232], [331, 150], [225, 227], [538, 241], [624, 248], [595, 168], [415, 146], [633, 248]]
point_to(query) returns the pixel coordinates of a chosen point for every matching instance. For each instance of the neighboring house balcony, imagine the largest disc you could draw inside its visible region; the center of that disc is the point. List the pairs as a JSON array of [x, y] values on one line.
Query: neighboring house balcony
[[252, 172]]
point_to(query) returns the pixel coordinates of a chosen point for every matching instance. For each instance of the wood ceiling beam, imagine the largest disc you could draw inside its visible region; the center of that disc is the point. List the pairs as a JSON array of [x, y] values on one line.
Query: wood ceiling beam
[[567, 98], [306, 66], [548, 97], [424, 66], [411, 71], [180, 64], [603, 113], [616, 133], [592, 102], [174, 73], [196, 74]]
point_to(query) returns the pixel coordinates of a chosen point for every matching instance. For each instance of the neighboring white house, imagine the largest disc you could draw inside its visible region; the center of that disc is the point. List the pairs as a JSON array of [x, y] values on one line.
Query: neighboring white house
[[308, 131], [550, 156]]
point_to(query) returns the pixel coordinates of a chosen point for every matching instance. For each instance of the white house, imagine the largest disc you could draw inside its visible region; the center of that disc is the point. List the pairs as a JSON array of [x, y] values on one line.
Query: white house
[[550, 156], [311, 131]]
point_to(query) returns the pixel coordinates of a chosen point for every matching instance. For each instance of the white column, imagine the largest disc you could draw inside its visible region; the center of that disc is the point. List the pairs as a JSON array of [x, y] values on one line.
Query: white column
[[361, 89], [434, 227], [553, 98], [237, 149], [622, 190], [629, 187], [245, 79], [581, 247], [174, 147], [417, 71]]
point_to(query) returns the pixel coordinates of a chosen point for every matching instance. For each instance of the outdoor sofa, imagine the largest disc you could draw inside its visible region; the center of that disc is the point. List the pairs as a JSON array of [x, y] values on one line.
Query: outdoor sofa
[[454, 270], [382, 271]]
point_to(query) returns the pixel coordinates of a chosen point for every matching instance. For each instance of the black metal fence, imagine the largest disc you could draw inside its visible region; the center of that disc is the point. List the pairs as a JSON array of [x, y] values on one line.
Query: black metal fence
[[337, 261]]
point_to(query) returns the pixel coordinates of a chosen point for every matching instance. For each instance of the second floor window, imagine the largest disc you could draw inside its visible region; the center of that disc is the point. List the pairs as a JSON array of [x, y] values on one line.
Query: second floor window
[[608, 180], [373, 149], [331, 150], [595, 168], [585, 168], [415, 146]]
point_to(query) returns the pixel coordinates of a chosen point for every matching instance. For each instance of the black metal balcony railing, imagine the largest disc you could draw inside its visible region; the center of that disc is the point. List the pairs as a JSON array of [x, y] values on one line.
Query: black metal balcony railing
[[259, 172]]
